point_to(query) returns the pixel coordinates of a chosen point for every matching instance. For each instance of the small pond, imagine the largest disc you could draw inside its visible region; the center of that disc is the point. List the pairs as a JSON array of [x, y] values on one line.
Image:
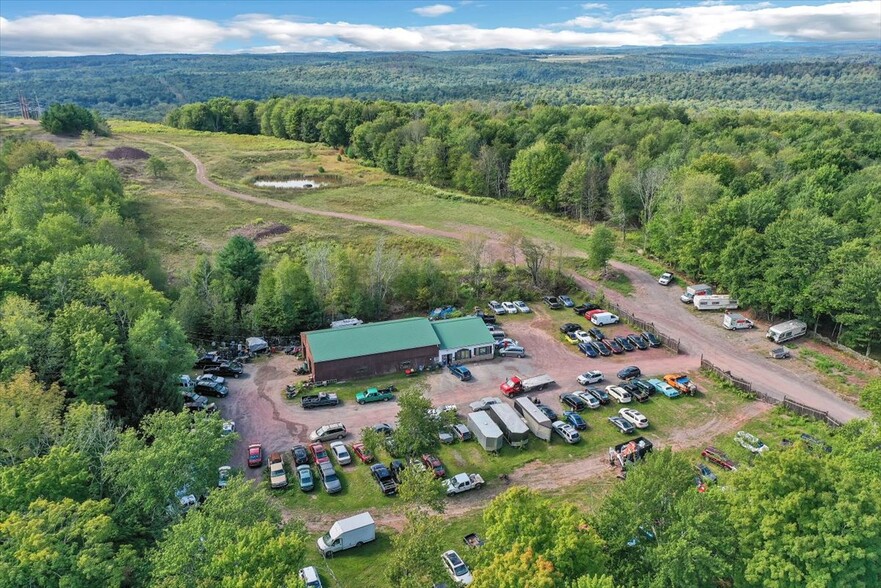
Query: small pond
[[289, 184]]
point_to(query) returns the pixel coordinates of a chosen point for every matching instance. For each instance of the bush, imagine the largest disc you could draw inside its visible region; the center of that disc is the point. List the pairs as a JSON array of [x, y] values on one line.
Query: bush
[[70, 119]]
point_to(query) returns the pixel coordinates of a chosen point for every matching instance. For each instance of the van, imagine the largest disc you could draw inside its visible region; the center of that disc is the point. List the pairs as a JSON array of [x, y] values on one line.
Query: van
[[696, 290], [347, 533], [786, 331], [328, 432], [604, 318], [736, 322], [512, 351]]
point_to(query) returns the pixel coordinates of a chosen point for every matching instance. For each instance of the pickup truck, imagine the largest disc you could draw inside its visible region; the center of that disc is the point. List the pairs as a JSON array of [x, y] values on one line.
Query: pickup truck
[[384, 479], [375, 395], [319, 400], [681, 383], [517, 385], [463, 483]]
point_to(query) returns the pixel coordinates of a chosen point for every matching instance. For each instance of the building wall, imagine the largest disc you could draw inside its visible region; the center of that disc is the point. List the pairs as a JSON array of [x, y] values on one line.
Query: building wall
[[352, 368], [468, 354]]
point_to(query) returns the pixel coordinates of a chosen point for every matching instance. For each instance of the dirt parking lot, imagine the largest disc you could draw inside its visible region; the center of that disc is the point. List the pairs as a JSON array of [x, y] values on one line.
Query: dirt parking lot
[[256, 401]]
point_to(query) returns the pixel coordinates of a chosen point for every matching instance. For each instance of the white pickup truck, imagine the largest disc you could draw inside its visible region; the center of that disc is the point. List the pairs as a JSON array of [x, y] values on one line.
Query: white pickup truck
[[463, 483]]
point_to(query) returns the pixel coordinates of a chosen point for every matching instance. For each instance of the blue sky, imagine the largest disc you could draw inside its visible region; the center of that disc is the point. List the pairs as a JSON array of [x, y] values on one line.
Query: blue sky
[[76, 28]]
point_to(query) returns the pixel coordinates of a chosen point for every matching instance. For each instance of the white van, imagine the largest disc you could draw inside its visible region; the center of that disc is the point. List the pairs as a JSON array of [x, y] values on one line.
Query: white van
[[601, 319], [736, 322], [351, 532], [786, 331]]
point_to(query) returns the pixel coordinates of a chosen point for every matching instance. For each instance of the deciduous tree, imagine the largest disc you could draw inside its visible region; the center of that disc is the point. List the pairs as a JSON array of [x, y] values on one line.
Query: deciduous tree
[[30, 417]]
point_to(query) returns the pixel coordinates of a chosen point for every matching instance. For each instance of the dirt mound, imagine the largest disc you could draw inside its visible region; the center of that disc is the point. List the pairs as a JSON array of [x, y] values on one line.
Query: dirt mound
[[261, 231], [126, 153]]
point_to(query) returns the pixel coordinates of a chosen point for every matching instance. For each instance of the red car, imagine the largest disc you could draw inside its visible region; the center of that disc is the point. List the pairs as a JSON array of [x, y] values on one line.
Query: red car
[[362, 453], [590, 313], [255, 455], [319, 454], [434, 464]]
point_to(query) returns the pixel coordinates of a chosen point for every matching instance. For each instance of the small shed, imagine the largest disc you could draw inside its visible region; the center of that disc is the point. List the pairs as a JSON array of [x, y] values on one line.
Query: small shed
[[487, 433]]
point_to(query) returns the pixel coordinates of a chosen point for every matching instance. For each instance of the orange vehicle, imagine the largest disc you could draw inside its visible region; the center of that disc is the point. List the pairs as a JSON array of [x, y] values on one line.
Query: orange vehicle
[[681, 383]]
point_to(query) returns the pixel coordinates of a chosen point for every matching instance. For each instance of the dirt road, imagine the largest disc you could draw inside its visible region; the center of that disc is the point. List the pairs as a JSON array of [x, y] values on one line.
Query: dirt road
[[652, 303]]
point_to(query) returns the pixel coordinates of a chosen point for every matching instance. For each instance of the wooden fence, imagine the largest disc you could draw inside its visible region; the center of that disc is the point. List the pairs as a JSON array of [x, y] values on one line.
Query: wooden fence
[[786, 402]]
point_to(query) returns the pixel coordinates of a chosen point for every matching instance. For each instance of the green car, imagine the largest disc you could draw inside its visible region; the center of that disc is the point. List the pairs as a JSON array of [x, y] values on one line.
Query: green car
[[375, 395]]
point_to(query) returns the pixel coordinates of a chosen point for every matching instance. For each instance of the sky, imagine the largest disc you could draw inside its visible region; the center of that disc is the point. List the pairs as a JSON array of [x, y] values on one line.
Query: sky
[[70, 27]]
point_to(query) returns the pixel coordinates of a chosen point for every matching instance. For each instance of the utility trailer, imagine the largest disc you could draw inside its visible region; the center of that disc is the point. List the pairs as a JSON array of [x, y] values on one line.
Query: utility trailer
[[485, 430], [536, 420], [513, 428]]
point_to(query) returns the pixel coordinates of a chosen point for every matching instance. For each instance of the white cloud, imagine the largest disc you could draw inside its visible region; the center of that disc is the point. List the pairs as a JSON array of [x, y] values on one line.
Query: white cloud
[[594, 6], [434, 10], [75, 35]]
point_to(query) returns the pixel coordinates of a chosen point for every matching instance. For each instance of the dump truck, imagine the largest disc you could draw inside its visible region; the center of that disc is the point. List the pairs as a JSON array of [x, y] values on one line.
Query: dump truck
[[681, 382], [517, 385], [463, 483], [319, 400]]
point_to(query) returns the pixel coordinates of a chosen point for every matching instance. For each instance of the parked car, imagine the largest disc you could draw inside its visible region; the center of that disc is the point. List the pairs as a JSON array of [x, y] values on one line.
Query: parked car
[[509, 307], [497, 307], [209, 378], [319, 454], [622, 424], [553, 302], [506, 342], [434, 464], [460, 371], [329, 478], [299, 455], [208, 388], [583, 308], [582, 336], [634, 417], [571, 337], [278, 478], [591, 377], [814, 443], [666, 279], [644, 386], [566, 431], [664, 388], [589, 349], [548, 411], [224, 473], [639, 394], [706, 473], [206, 360], [625, 343], [310, 578], [719, 457], [572, 401], [384, 479], [575, 419], [228, 428], [600, 395], [361, 452], [629, 372], [521, 306], [462, 432], [618, 393], [566, 301], [750, 442], [255, 455], [375, 395], [614, 346], [512, 351], [569, 327], [604, 318], [589, 399], [396, 467], [457, 569], [597, 334], [602, 348], [342, 455], [230, 369], [780, 353], [652, 340], [328, 432], [638, 341]]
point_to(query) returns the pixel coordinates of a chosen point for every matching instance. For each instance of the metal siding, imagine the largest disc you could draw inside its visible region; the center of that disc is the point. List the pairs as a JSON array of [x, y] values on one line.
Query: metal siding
[[352, 368]]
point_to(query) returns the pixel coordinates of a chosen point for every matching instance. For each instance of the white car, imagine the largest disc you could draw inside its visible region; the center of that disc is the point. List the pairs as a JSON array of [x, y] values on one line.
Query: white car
[[582, 336], [437, 412], [634, 417], [591, 377], [665, 279], [521, 306], [589, 399], [223, 475], [456, 568], [229, 427], [506, 341], [340, 452], [497, 307], [211, 378], [621, 395], [310, 577], [509, 307], [566, 431]]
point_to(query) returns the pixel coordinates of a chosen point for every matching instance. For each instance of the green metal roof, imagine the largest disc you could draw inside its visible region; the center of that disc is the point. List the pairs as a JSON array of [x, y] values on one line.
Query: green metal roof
[[371, 338], [466, 331]]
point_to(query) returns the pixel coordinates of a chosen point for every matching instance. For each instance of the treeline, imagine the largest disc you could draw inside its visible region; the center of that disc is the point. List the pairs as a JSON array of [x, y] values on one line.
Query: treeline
[[782, 211]]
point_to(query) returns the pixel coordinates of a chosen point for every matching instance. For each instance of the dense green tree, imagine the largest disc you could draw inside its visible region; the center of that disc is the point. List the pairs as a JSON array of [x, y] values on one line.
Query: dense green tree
[[536, 173], [70, 276], [239, 264], [128, 298], [61, 473], [600, 247], [30, 417], [417, 431], [70, 119], [416, 548], [92, 369], [422, 488], [90, 431], [285, 301], [24, 333]]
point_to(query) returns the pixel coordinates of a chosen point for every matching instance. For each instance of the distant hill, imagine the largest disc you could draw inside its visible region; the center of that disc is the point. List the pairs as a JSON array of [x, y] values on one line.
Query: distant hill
[[777, 76]]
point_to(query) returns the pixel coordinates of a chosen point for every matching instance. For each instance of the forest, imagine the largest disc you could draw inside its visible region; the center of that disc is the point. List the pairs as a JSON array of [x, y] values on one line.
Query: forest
[[780, 210], [774, 76]]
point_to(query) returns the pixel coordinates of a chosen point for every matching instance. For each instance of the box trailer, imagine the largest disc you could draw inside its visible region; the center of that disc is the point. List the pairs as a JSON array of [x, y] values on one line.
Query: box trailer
[[513, 428], [536, 420], [485, 430], [714, 302], [786, 331], [347, 533], [735, 322], [696, 290]]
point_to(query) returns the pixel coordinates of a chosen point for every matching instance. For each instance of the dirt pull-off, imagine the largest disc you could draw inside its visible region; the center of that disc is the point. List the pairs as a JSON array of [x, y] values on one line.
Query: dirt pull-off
[[261, 232], [131, 153]]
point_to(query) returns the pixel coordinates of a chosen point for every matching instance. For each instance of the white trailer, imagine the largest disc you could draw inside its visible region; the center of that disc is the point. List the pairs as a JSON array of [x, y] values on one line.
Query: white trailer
[[351, 532], [786, 331], [735, 322], [514, 429], [536, 420], [485, 430], [714, 302], [696, 290]]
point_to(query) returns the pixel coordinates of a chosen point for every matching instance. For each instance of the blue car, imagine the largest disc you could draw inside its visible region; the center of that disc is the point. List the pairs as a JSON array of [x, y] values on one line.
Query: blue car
[[567, 302], [461, 372], [574, 419], [588, 349]]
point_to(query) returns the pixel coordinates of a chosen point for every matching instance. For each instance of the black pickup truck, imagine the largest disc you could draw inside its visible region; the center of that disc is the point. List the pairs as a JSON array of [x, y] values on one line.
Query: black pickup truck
[[384, 478], [319, 400]]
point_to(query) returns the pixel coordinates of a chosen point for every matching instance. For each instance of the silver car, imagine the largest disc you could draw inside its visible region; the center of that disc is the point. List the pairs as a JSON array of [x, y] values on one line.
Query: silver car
[[566, 431], [512, 351], [328, 476], [328, 432]]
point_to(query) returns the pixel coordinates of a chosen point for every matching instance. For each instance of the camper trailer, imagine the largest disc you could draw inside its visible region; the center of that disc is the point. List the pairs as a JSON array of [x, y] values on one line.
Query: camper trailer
[[536, 420], [485, 430], [786, 331], [696, 290], [513, 428], [714, 302], [736, 322]]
